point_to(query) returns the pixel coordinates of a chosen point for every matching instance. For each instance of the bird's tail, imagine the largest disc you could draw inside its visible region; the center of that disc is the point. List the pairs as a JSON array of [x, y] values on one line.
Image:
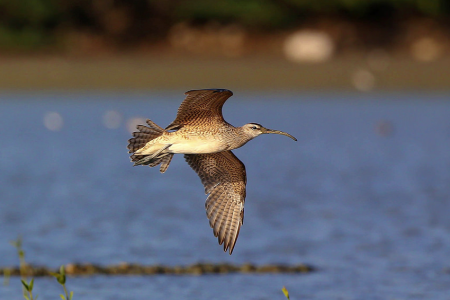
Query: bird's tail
[[140, 139]]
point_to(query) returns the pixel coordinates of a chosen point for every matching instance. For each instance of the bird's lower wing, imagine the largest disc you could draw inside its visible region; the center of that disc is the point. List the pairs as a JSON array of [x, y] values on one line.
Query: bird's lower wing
[[224, 178]]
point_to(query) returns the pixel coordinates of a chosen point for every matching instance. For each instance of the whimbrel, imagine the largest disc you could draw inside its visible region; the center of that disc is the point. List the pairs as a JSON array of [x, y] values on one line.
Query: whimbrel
[[206, 140]]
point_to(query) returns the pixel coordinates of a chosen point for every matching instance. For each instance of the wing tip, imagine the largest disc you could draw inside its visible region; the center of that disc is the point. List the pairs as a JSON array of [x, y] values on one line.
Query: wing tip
[[213, 90], [229, 242]]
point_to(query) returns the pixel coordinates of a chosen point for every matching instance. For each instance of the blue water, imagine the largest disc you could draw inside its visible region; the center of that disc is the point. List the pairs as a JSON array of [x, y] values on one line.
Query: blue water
[[371, 211]]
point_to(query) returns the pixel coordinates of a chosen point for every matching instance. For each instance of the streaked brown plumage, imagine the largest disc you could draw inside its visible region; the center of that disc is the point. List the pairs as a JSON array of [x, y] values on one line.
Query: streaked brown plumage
[[205, 138]]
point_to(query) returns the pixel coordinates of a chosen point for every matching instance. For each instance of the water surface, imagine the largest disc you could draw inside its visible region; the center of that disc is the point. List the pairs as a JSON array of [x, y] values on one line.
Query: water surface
[[369, 208]]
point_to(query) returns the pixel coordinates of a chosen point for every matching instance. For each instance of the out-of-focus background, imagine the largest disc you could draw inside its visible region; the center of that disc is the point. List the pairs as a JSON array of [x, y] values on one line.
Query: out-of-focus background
[[363, 196], [250, 44]]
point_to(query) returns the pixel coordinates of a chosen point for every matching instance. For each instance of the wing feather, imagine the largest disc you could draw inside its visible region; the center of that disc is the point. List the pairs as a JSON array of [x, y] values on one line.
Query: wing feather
[[201, 107], [213, 211], [224, 178]]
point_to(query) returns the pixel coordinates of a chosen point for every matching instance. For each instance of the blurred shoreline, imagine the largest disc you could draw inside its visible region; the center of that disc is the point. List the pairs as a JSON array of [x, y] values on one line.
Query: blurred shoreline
[[163, 71], [280, 46]]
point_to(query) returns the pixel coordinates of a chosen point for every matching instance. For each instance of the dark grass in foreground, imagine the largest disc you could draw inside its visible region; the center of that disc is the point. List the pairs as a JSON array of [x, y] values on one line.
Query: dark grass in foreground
[[133, 269]]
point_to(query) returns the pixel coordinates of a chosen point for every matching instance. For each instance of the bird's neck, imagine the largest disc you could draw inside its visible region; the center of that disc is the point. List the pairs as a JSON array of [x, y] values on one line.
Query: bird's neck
[[239, 138]]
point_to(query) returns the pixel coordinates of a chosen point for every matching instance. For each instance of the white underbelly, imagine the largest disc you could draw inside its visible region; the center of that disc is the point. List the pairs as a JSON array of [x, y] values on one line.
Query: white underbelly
[[197, 147]]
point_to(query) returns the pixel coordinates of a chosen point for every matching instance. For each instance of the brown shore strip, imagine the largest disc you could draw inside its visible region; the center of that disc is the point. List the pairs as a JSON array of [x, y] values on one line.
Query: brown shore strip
[[159, 72], [134, 269]]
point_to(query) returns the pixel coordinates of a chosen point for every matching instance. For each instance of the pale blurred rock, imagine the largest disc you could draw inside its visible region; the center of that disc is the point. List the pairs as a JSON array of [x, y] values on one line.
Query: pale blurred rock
[[426, 49], [363, 80], [181, 35], [232, 39], [53, 121], [70, 268], [212, 38], [309, 46]]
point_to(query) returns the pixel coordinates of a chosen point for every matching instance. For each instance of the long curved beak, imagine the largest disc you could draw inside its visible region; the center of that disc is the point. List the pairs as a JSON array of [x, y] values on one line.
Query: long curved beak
[[278, 132]]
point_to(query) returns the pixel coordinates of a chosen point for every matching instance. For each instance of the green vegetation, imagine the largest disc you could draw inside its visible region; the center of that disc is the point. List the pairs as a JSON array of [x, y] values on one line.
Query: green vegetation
[[28, 289], [34, 24], [27, 24], [285, 292], [25, 270], [26, 286], [61, 278]]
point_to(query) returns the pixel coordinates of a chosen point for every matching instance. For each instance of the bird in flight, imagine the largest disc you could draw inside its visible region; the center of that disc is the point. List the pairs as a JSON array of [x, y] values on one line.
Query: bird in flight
[[200, 133]]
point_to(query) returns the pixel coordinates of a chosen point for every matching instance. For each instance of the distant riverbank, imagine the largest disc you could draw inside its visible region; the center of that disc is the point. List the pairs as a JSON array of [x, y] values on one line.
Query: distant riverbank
[[162, 72]]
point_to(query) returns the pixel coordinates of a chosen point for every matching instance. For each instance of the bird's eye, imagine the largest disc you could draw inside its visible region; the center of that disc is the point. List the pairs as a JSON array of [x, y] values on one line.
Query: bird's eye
[[254, 127]]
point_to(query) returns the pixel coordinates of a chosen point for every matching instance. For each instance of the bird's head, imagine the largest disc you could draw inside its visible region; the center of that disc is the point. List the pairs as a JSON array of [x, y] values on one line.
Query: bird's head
[[255, 129]]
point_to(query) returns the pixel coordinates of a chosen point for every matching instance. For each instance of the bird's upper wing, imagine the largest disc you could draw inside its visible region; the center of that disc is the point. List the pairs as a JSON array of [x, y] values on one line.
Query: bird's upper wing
[[224, 178], [201, 107]]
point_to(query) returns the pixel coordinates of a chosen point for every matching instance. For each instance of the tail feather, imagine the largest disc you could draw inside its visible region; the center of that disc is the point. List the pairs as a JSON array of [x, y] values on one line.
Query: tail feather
[[148, 130], [137, 143], [140, 139], [153, 125], [165, 162]]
